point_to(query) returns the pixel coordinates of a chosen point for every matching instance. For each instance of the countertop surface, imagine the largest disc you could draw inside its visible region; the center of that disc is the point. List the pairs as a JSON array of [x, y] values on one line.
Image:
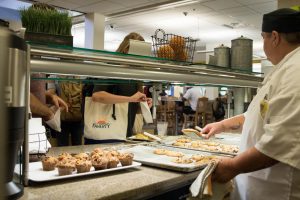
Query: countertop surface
[[134, 183]]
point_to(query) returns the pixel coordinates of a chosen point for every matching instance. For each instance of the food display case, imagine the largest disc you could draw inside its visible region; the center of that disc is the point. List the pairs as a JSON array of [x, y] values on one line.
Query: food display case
[[111, 67]]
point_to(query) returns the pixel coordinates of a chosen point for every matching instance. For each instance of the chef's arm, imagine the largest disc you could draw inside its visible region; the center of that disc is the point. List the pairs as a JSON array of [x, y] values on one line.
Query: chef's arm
[[234, 123], [52, 98], [248, 161], [108, 98], [252, 160], [39, 109]]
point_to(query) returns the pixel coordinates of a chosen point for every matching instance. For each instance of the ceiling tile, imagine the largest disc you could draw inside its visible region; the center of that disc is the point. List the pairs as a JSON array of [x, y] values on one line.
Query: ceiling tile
[[130, 3], [239, 11], [264, 7], [221, 4], [63, 4], [83, 3], [197, 8], [253, 2], [103, 7]]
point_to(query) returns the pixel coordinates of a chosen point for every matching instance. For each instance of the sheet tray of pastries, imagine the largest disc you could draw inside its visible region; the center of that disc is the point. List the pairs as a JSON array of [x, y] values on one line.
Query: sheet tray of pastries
[[183, 160], [207, 145], [67, 166]]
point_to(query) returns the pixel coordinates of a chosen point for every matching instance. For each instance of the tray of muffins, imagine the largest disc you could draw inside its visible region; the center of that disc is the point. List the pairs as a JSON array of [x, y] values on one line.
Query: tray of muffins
[[172, 158], [67, 166]]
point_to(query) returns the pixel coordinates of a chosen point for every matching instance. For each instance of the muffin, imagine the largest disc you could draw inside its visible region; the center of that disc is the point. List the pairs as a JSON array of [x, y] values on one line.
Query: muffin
[[97, 151], [49, 163], [113, 162], [99, 162], [113, 153], [63, 156], [65, 167], [83, 166], [82, 156], [126, 158]]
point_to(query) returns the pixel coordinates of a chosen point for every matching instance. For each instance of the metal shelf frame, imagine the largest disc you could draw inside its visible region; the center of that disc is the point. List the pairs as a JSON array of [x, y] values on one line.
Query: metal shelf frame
[[105, 65], [55, 61]]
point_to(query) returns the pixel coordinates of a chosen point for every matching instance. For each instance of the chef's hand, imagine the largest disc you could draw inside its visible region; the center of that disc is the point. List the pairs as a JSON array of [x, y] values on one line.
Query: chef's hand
[[212, 129], [56, 100], [224, 171], [149, 102], [138, 97], [59, 103]]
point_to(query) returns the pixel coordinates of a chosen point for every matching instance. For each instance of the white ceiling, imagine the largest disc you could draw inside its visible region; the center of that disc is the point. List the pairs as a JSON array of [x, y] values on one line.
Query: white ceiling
[[205, 18]]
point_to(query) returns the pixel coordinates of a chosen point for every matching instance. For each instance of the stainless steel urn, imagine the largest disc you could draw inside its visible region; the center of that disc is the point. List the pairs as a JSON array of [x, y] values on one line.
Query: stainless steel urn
[[241, 53], [222, 54]]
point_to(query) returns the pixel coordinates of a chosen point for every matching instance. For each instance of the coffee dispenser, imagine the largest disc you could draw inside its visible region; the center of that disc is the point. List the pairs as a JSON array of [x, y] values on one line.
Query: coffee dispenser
[[13, 72]]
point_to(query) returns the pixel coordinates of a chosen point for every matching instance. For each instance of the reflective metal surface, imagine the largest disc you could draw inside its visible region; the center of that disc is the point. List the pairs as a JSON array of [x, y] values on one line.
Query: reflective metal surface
[[16, 77]]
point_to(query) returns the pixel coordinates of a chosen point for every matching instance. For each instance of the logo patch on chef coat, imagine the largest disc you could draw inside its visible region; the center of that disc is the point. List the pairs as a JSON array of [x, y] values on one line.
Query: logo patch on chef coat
[[264, 106]]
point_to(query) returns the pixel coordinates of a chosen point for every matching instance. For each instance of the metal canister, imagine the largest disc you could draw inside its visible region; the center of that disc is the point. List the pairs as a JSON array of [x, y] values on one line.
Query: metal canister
[[212, 60], [241, 53], [222, 54]]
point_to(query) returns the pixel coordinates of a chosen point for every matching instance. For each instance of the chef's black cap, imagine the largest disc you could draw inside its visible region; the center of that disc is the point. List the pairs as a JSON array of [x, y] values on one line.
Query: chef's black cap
[[284, 20]]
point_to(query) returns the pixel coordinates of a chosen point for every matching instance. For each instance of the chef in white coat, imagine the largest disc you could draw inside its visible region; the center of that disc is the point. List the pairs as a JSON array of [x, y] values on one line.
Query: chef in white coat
[[268, 165]]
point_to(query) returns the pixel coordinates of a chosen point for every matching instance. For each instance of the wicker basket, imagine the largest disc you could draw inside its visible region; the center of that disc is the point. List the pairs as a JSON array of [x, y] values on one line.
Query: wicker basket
[[173, 47]]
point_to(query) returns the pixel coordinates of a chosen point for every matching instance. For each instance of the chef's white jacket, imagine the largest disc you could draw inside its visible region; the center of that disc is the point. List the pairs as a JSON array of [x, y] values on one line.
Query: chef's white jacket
[[272, 126]]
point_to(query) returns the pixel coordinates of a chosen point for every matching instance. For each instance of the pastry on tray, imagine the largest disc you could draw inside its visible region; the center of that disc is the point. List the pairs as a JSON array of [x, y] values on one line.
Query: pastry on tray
[[99, 162], [82, 156], [65, 167], [113, 161], [182, 160], [174, 154], [83, 166], [126, 158], [64, 155], [49, 163], [160, 151]]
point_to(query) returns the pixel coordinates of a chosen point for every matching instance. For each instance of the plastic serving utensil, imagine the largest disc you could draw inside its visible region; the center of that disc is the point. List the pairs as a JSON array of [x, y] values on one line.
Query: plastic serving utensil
[[152, 136], [192, 134], [200, 129]]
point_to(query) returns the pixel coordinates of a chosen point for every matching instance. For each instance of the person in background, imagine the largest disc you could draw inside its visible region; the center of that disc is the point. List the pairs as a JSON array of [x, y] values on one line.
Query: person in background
[[192, 95], [120, 93], [268, 165], [218, 109], [71, 121], [39, 97], [40, 109]]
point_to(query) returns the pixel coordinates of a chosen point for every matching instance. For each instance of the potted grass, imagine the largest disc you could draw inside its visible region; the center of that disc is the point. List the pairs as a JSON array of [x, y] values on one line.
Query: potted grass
[[45, 24]]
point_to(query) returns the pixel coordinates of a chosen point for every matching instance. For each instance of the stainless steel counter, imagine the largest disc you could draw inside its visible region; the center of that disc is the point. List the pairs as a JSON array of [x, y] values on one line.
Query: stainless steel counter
[[136, 183]]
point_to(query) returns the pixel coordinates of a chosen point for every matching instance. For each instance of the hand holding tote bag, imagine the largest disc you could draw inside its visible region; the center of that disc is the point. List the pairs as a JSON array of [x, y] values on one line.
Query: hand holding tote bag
[[99, 123]]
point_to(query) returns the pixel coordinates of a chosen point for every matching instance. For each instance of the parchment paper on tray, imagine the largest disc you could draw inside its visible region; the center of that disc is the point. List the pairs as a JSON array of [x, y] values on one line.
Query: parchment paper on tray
[[179, 159]]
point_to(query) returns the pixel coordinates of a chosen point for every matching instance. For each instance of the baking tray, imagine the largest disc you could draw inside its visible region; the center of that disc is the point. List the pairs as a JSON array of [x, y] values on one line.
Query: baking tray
[[169, 144], [145, 155], [36, 173]]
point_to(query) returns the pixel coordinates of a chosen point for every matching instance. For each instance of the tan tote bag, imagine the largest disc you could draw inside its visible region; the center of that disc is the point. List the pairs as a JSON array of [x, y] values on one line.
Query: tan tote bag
[[99, 123]]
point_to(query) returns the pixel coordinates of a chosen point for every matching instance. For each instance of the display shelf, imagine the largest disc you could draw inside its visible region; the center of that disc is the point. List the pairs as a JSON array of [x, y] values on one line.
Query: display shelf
[[54, 59]]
